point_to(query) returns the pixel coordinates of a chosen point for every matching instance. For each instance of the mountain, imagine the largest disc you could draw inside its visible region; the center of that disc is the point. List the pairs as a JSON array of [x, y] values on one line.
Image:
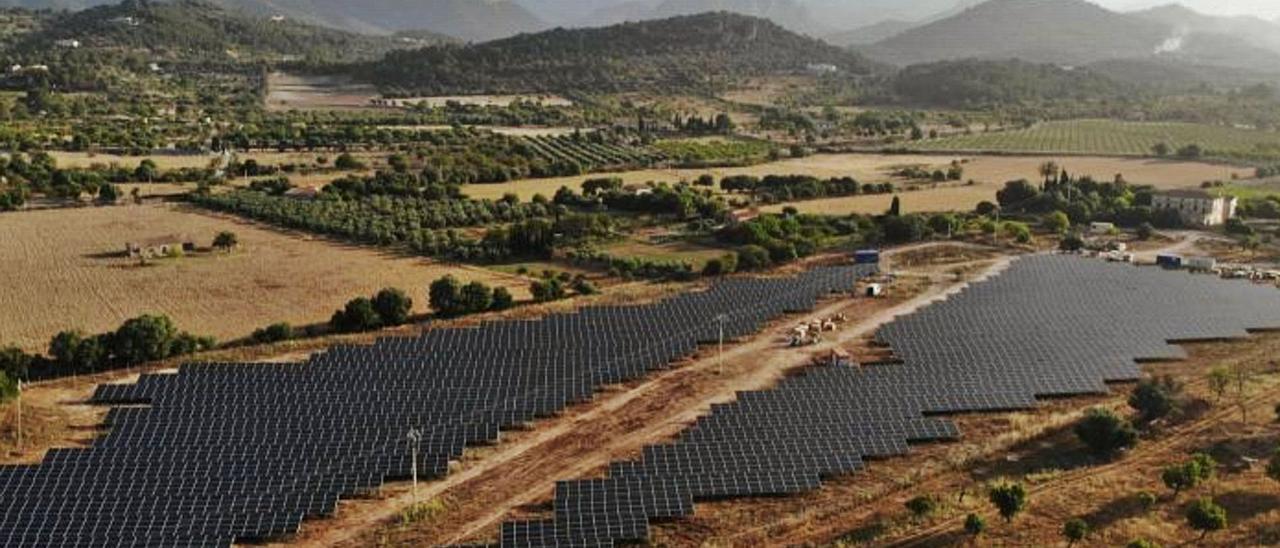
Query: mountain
[[871, 34], [194, 31], [791, 14], [1052, 31], [472, 20], [973, 83], [690, 53], [1256, 31]]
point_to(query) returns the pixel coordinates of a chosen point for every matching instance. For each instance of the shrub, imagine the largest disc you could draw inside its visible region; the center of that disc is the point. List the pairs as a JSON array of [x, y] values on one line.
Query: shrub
[[1072, 242], [974, 525], [1206, 516], [392, 306], [1154, 399], [476, 297], [584, 286], [1141, 543], [1009, 498], [1105, 433], [922, 506], [547, 290], [226, 241], [14, 362], [1056, 222], [753, 257], [1180, 477], [445, 296], [1075, 531], [275, 332], [8, 387], [502, 299], [1146, 500], [1145, 231], [358, 315]]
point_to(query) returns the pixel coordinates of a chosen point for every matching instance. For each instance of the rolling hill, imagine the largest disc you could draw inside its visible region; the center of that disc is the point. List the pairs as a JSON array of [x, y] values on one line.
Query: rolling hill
[[871, 34], [194, 31], [698, 52], [475, 20], [1256, 31], [794, 15]]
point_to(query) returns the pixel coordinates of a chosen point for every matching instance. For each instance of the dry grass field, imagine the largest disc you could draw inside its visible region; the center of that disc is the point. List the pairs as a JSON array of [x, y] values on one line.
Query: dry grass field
[[62, 269], [988, 172]]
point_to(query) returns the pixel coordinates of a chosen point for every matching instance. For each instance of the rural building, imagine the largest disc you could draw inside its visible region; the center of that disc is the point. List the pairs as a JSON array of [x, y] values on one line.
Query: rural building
[[1197, 207], [159, 247], [1101, 228]]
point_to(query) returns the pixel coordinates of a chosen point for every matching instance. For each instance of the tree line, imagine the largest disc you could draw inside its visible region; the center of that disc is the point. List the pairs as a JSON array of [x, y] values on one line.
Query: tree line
[[138, 340]]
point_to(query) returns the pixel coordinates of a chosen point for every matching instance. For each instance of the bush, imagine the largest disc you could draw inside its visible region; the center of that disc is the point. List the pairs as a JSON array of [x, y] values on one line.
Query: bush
[[445, 296], [1075, 531], [14, 362], [1180, 477], [1056, 222], [143, 339], [584, 286], [275, 332], [392, 306], [1146, 500], [1141, 543], [1009, 498], [1155, 399], [547, 290], [1105, 433], [753, 257], [359, 315], [974, 525], [922, 506], [1206, 516], [1072, 242], [1145, 231], [502, 299], [476, 297]]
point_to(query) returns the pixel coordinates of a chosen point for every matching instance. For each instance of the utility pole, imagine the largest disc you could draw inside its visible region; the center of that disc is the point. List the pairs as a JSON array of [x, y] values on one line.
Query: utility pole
[[19, 416], [720, 319], [415, 436]]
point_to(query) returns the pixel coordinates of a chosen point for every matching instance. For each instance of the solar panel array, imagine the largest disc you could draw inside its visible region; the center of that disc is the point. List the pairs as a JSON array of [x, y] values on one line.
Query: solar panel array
[[229, 453], [1048, 326]]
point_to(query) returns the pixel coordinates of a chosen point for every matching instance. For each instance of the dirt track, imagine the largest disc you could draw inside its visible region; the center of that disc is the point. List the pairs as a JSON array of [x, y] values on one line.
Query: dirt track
[[494, 483]]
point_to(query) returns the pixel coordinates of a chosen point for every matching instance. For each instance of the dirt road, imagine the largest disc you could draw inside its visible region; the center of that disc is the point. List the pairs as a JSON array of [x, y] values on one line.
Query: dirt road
[[520, 472]]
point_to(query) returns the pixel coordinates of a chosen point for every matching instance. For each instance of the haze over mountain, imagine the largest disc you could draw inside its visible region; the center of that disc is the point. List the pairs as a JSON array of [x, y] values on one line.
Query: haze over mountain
[[1076, 32]]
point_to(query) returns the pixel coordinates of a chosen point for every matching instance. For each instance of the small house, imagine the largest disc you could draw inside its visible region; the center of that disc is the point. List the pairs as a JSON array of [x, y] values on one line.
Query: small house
[[1197, 207], [160, 247]]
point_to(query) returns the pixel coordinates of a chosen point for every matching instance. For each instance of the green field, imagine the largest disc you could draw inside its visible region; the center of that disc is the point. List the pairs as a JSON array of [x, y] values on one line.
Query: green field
[[1112, 137], [715, 151]]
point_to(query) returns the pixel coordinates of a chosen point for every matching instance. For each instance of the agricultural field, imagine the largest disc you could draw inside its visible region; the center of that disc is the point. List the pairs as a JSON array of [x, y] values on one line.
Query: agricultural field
[[588, 153], [988, 172], [295, 92], [65, 270], [1113, 138], [716, 151], [665, 252]]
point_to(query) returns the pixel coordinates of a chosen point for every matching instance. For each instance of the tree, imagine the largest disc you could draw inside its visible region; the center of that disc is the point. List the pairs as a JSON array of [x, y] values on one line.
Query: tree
[[1049, 171], [476, 297], [347, 162], [1009, 498], [226, 241], [1155, 398], [142, 339], [1075, 531], [1105, 433], [1219, 380], [108, 194], [895, 207], [1190, 152], [1072, 242], [1145, 231], [502, 299], [147, 171], [974, 525], [275, 332], [1206, 516], [359, 315], [753, 257], [445, 296], [74, 351], [1057, 222], [1016, 193], [1161, 149], [14, 362], [547, 290], [1187, 475], [392, 306], [921, 506]]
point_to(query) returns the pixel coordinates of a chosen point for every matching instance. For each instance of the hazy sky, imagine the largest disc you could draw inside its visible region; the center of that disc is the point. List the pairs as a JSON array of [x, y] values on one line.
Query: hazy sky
[[1265, 8]]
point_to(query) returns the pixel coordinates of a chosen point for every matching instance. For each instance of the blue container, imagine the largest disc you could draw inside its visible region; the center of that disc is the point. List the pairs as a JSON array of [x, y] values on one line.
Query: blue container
[[867, 256], [1169, 261]]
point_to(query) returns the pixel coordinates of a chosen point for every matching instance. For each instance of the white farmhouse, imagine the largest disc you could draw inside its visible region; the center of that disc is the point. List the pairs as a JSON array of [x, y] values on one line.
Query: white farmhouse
[[1197, 207]]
